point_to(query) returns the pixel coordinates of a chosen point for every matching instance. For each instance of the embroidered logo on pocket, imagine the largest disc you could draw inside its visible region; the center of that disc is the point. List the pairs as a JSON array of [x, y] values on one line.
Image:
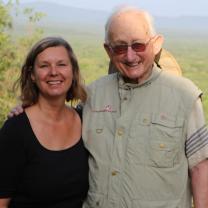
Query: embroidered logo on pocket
[[107, 108]]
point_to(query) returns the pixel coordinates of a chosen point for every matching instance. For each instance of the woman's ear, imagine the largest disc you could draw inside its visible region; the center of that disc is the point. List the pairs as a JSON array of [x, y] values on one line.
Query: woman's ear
[[157, 43], [32, 77]]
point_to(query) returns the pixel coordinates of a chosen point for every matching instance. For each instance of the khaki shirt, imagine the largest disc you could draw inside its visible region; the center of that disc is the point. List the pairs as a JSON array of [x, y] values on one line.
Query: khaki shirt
[[136, 136]]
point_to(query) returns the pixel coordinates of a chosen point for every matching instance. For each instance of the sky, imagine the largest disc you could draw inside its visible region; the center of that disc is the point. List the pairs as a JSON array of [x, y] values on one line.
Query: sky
[[156, 7]]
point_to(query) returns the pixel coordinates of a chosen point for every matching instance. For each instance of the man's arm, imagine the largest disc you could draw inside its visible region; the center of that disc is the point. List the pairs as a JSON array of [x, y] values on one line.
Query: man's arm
[[199, 180], [4, 203], [197, 154], [15, 111]]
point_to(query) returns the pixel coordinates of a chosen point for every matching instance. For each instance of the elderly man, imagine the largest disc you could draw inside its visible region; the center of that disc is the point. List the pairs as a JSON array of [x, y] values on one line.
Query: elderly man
[[144, 128]]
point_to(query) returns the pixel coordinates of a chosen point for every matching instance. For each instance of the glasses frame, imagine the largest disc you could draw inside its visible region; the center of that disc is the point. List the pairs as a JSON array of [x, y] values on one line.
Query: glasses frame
[[112, 48]]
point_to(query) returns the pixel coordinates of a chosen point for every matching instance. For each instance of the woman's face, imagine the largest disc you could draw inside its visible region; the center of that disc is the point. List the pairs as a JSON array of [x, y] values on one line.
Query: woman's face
[[53, 72]]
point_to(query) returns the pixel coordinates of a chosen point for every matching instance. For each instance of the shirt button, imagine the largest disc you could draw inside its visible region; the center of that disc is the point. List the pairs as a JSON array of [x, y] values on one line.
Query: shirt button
[[146, 121], [114, 173], [120, 131], [97, 203], [162, 146], [99, 131], [125, 98]]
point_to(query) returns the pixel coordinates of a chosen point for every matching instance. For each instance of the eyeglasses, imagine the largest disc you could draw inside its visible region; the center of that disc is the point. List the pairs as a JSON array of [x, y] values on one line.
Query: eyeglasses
[[123, 48]]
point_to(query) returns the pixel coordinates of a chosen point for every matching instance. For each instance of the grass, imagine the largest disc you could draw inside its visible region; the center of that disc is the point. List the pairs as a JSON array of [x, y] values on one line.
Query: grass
[[191, 54]]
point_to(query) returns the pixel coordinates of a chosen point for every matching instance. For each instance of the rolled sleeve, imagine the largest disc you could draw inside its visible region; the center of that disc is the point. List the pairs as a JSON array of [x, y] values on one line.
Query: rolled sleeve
[[197, 136]]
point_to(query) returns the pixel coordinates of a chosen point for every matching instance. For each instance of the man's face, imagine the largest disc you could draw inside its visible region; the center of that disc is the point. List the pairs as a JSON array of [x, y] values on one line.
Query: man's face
[[135, 64]]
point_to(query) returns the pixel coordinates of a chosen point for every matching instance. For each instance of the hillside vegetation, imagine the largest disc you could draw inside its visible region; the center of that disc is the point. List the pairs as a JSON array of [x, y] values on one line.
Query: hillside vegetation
[[189, 50]]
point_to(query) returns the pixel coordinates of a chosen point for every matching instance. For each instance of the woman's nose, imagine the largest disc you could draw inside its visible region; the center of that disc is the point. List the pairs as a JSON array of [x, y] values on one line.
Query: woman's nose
[[54, 70]]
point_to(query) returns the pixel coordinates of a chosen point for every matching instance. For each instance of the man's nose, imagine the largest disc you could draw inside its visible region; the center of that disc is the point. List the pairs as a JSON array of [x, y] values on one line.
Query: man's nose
[[130, 54]]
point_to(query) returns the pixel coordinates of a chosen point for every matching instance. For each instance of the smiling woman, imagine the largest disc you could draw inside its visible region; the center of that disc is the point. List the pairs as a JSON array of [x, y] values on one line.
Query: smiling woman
[[42, 156], [45, 55], [53, 72]]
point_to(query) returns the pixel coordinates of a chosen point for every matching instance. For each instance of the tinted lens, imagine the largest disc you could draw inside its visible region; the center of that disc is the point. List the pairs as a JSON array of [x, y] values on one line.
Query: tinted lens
[[120, 49], [138, 47]]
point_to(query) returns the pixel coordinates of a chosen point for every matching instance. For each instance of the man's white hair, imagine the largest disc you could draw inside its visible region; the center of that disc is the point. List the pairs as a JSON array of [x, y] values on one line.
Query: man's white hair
[[123, 9]]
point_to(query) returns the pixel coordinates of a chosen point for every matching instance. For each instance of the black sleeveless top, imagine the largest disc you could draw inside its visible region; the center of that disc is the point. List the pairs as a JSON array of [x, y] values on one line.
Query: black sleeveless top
[[35, 177]]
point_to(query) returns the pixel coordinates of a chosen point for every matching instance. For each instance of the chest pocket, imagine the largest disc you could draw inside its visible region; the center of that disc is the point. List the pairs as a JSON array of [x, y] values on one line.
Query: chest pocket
[[165, 126], [163, 154], [166, 141], [155, 140]]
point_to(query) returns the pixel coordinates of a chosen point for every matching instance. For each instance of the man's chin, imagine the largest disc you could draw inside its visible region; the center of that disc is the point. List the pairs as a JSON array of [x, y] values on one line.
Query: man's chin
[[136, 74]]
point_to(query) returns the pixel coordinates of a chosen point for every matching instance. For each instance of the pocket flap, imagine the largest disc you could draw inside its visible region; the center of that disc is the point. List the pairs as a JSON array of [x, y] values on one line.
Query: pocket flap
[[167, 120]]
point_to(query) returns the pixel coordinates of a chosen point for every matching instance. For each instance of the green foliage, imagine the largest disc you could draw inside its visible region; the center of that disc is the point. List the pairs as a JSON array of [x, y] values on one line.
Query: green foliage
[[33, 33], [12, 52], [6, 52], [5, 20], [191, 53], [33, 16]]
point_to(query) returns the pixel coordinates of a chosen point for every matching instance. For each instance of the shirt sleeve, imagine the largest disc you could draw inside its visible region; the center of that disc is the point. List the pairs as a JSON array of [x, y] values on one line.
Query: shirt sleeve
[[197, 136], [11, 159]]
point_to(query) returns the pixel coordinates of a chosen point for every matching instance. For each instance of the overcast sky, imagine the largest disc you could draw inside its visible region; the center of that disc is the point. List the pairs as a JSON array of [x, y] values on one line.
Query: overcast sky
[[156, 7]]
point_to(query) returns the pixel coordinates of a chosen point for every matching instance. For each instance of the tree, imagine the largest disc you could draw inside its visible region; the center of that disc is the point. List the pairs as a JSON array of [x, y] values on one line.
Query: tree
[[6, 53], [13, 51]]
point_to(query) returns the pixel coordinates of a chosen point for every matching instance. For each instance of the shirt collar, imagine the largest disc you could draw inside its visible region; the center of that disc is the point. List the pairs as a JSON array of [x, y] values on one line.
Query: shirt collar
[[124, 85]]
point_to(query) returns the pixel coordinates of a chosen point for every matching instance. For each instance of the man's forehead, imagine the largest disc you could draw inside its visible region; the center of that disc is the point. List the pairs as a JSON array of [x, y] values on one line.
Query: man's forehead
[[128, 26], [127, 17]]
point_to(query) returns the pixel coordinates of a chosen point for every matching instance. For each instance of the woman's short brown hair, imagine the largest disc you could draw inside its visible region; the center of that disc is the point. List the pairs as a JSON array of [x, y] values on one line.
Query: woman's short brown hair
[[29, 90]]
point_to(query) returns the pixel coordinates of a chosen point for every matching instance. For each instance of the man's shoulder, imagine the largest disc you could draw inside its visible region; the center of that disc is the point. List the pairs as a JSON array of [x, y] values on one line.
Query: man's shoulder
[[175, 80], [178, 83]]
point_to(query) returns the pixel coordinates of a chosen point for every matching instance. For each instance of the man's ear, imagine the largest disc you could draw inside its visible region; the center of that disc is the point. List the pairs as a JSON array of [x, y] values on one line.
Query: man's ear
[[157, 43], [108, 50]]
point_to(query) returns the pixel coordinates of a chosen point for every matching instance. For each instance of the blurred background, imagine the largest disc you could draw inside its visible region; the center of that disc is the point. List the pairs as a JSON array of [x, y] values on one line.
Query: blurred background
[[184, 25]]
